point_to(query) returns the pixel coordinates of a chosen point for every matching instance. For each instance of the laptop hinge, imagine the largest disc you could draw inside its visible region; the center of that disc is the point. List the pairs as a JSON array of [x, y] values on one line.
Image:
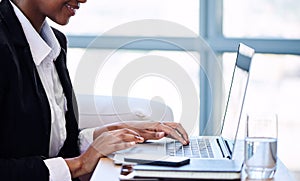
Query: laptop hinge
[[228, 146], [223, 147]]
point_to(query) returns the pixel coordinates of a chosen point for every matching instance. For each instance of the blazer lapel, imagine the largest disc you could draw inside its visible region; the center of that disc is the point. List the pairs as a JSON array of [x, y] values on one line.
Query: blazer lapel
[[13, 25]]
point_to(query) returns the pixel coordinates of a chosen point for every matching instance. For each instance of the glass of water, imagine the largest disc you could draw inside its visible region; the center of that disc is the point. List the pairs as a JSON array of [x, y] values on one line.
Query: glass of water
[[261, 146]]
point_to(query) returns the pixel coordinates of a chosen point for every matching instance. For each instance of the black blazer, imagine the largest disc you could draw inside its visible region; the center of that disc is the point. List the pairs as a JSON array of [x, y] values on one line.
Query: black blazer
[[24, 110]]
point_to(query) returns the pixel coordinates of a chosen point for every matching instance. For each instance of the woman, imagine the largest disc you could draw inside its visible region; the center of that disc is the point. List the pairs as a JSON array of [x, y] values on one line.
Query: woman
[[39, 136]]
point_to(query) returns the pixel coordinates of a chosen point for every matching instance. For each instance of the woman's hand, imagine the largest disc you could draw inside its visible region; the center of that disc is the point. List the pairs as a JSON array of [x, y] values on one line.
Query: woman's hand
[[157, 130], [111, 141], [150, 130], [107, 143]]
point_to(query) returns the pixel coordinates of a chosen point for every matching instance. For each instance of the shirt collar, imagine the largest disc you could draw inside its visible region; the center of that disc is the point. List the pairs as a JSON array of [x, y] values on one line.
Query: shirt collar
[[41, 45]]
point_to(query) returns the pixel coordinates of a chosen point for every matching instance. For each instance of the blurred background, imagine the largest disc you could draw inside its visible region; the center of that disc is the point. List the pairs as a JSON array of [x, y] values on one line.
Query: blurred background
[[272, 27]]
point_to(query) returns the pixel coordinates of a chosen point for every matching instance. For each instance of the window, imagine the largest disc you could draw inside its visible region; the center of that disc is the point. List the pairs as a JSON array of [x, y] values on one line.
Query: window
[[261, 19]]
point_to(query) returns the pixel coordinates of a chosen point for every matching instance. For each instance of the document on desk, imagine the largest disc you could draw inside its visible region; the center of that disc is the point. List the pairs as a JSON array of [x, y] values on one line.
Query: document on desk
[[146, 172], [183, 172]]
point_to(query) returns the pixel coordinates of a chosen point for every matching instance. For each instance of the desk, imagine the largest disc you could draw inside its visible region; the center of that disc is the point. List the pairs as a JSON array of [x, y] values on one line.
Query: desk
[[107, 171]]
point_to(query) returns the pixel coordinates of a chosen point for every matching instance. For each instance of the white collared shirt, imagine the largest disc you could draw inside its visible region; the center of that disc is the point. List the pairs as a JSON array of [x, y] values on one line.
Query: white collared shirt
[[45, 49]]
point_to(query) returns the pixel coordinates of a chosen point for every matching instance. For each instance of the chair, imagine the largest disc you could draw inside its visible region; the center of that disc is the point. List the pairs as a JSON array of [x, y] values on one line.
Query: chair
[[95, 110]]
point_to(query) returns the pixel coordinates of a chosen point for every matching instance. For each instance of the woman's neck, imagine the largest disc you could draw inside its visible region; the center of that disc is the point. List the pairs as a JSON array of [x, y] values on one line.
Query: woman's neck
[[31, 13]]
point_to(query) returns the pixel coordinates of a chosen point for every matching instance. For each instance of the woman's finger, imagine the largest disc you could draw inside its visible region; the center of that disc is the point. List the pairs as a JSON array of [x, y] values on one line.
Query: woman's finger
[[178, 127], [124, 131], [127, 135], [110, 142], [152, 135], [172, 132], [131, 137]]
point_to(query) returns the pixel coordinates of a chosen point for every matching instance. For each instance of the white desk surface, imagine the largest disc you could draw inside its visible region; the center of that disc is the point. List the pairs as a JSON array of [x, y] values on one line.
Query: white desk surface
[[107, 171]]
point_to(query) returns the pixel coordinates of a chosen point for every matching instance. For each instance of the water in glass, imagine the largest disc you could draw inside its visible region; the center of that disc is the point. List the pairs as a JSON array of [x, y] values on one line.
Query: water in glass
[[260, 157]]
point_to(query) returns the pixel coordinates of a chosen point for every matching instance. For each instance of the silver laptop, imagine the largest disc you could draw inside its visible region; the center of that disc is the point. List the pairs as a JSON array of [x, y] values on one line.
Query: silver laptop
[[213, 154]]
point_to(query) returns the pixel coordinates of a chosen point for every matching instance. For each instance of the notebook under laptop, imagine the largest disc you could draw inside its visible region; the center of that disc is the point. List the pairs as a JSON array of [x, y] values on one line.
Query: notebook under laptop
[[216, 156]]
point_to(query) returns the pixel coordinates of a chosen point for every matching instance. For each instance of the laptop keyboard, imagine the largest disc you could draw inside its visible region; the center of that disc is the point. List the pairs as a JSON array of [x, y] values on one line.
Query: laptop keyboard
[[198, 148]]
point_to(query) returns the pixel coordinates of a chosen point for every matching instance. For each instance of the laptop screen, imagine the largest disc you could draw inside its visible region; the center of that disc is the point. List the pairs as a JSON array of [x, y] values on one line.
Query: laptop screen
[[237, 92]]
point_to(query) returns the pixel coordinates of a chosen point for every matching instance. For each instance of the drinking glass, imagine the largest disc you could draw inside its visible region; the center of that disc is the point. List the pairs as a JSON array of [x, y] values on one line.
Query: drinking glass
[[261, 146]]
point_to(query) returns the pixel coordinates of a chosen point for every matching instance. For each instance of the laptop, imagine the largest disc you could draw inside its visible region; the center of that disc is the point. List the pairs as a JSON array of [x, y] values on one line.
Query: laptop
[[211, 157]]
